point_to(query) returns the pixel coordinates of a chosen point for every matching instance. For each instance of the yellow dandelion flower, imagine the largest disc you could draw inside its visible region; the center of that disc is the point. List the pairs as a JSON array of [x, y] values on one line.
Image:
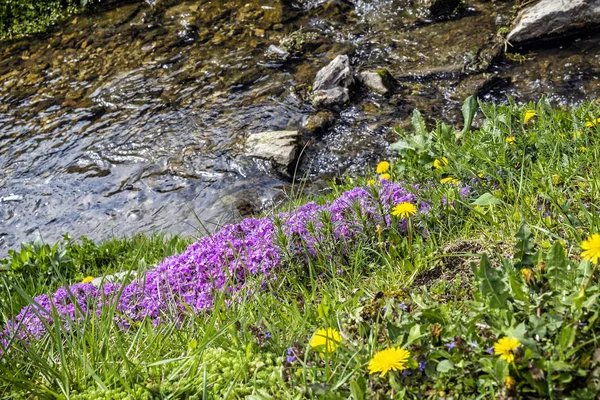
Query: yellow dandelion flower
[[371, 182], [527, 274], [326, 340], [382, 167], [510, 139], [505, 348], [510, 382], [404, 210], [392, 359], [87, 279], [441, 163], [450, 180], [591, 247], [480, 175], [528, 115], [385, 176], [576, 134], [591, 123], [583, 148]]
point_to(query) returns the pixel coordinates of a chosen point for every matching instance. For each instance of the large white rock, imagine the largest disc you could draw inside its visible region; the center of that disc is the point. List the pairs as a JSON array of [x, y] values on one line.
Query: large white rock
[[281, 147], [553, 18]]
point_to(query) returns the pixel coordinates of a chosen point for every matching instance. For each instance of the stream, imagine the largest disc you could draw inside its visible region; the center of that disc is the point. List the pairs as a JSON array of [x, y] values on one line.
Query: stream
[[134, 119]]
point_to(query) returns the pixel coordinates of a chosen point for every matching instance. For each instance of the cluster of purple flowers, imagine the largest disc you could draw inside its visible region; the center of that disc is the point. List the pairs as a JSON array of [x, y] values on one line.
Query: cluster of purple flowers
[[221, 262]]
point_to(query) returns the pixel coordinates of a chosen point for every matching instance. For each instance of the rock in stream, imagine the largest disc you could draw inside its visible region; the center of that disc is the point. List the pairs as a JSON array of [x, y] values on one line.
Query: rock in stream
[[550, 19]]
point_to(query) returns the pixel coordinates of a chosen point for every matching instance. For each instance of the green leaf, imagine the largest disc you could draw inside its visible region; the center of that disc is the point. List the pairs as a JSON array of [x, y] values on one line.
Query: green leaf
[[394, 332], [556, 266], [523, 257], [356, 391], [469, 108], [487, 199], [501, 369], [491, 284], [401, 145], [414, 334], [445, 366], [418, 123], [566, 336], [323, 309]]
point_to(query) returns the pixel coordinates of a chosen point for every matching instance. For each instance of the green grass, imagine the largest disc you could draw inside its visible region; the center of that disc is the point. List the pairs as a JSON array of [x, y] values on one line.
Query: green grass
[[533, 201], [39, 268]]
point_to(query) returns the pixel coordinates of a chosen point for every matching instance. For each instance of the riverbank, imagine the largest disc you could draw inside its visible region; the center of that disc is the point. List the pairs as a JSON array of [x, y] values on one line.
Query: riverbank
[[472, 253], [139, 112]]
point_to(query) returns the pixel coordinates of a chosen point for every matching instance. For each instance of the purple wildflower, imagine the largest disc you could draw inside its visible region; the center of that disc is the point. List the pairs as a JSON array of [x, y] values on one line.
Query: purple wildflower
[[422, 365], [291, 356], [220, 263], [490, 350], [450, 345]]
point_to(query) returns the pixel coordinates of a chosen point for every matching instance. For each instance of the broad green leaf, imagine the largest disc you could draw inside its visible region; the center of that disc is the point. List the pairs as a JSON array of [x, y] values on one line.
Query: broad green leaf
[[491, 285], [566, 336], [523, 257], [469, 108], [414, 334], [401, 145], [445, 366], [418, 123], [356, 391], [487, 199], [556, 266]]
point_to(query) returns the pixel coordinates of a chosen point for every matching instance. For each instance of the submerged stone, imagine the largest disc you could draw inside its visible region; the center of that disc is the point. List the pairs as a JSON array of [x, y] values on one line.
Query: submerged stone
[[380, 81], [277, 53], [439, 8], [554, 18], [319, 122]]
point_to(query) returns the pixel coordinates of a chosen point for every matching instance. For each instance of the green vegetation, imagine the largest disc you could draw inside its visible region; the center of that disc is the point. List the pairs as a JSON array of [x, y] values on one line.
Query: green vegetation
[[40, 268], [487, 292], [25, 17]]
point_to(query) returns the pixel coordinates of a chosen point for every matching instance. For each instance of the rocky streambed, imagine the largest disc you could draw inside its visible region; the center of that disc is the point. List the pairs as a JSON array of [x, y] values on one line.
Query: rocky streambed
[[182, 115]]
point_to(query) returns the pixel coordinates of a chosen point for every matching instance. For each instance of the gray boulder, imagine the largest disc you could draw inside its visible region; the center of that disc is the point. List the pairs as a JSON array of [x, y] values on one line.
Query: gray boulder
[[332, 83], [553, 18], [280, 147], [337, 73], [381, 81]]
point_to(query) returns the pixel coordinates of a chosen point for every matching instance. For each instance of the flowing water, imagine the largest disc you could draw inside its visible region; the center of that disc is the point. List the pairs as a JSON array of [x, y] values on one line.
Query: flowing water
[[134, 119]]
